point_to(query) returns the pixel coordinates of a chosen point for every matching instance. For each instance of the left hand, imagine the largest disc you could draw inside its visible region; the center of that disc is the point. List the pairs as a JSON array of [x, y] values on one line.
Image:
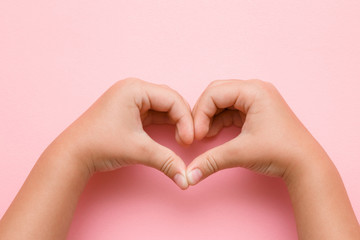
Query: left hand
[[110, 134]]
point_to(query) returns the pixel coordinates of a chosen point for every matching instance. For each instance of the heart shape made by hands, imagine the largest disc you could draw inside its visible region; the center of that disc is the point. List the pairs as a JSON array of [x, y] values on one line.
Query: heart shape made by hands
[[265, 144]]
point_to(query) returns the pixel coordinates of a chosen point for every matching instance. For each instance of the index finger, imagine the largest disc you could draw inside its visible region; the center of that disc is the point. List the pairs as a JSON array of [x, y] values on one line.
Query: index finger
[[218, 95], [164, 99]]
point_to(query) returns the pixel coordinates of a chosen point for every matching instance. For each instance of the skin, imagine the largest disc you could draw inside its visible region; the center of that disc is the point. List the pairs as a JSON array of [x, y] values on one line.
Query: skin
[[110, 135], [275, 143]]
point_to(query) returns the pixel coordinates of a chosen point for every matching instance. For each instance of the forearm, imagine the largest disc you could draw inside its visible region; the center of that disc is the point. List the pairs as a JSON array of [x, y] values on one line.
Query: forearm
[[321, 205], [44, 206]]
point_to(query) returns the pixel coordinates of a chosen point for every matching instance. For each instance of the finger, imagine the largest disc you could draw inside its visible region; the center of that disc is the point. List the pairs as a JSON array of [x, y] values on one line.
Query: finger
[[164, 99], [228, 155], [225, 119], [213, 84], [236, 93], [153, 117], [165, 160], [177, 133]]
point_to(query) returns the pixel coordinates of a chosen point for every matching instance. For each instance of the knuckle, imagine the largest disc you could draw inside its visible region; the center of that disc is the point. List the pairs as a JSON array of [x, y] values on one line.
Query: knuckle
[[262, 89], [172, 92], [270, 87], [211, 164], [165, 86], [143, 148], [175, 94], [229, 82], [180, 100], [129, 81], [129, 86], [262, 85], [257, 83], [167, 164], [215, 82], [212, 88]]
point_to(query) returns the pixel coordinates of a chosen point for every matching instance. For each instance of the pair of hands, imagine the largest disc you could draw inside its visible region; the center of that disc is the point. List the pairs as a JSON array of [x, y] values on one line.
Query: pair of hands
[[110, 134]]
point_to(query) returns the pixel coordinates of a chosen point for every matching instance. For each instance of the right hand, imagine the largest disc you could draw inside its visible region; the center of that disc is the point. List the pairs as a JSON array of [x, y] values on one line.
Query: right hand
[[272, 140]]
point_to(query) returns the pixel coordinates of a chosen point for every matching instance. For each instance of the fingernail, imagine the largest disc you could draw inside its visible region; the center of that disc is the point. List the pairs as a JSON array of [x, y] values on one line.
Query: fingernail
[[180, 180], [194, 176]]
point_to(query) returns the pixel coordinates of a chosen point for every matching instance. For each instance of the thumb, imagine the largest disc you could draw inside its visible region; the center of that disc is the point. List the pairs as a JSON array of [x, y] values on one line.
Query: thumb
[[227, 155], [165, 160]]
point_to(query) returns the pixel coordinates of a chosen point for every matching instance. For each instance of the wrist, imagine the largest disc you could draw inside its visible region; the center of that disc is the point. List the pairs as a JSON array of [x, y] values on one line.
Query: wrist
[[65, 155], [318, 196], [311, 162], [48, 197]]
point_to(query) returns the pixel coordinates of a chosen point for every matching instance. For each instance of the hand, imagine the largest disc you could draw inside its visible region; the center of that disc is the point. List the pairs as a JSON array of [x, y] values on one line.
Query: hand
[[110, 134], [272, 140]]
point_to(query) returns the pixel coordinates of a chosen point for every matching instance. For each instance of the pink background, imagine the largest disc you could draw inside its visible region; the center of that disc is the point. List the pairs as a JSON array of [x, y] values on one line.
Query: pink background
[[57, 57]]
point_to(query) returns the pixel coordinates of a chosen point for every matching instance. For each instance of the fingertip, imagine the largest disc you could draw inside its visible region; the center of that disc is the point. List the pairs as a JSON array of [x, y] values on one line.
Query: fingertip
[[181, 140], [177, 136], [194, 176], [188, 138], [191, 134], [200, 131], [185, 136], [187, 142], [211, 133], [201, 126], [181, 181]]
